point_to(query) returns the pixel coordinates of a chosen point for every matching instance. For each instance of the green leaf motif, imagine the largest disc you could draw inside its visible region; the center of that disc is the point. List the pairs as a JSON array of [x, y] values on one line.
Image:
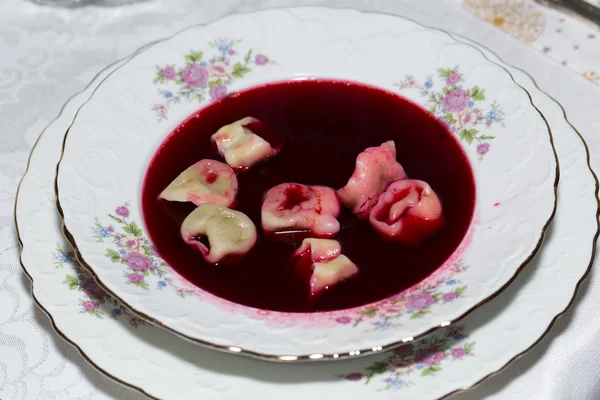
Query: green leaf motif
[[484, 137], [445, 90], [114, 256], [247, 58], [378, 367], [369, 312], [119, 220], [445, 72], [479, 96], [426, 372], [466, 136], [189, 58], [72, 279], [198, 56], [435, 368], [135, 230], [179, 81], [475, 90]]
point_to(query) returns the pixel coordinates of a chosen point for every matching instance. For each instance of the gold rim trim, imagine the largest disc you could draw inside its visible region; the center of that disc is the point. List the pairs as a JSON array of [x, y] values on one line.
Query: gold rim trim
[[322, 356], [476, 384]]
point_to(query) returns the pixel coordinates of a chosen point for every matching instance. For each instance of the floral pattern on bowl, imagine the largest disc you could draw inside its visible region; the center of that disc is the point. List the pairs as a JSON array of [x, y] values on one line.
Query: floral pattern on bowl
[[457, 107], [95, 300], [416, 360], [200, 77], [311, 52], [134, 250], [414, 303], [144, 269]]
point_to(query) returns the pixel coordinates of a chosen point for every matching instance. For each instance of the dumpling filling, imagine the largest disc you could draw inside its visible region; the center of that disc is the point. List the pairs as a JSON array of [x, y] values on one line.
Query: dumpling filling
[[292, 207]]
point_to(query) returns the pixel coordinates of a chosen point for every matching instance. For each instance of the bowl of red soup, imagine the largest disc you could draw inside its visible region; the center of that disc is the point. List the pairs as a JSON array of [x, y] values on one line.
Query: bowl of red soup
[[309, 198]]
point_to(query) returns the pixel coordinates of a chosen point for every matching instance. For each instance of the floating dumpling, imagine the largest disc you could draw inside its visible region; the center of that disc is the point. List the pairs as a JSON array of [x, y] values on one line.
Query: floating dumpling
[[241, 147], [376, 168], [231, 234], [207, 181], [323, 261], [407, 212], [292, 207]]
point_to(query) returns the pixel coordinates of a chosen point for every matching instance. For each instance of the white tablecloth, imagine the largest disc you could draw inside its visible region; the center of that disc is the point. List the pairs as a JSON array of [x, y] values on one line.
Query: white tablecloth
[[48, 54]]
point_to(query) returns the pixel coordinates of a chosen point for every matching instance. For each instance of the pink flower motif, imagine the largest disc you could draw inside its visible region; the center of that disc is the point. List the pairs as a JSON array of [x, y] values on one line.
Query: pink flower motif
[[447, 297], [168, 72], [419, 301], [161, 109], [90, 305], [122, 211], [91, 288], [194, 75], [110, 229], [218, 92], [465, 119], [137, 261], [135, 278], [355, 376], [429, 357], [231, 52], [458, 352], [404, 349], [483, 148], [410, 82], [261, 59], [392, 310], [219, 70], [453, 78], [488, 123], [456, 100], [343, 320]]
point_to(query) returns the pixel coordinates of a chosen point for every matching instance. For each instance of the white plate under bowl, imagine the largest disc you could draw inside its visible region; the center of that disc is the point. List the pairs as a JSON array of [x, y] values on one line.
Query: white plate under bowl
[[152, 361], [116, 132]]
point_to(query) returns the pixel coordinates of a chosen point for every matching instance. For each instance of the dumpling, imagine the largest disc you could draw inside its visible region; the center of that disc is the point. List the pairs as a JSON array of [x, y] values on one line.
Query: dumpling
[[231, 234], [407, 212], [207, 181], [322, 261], [376, 168], [241, 147], [295, 207]]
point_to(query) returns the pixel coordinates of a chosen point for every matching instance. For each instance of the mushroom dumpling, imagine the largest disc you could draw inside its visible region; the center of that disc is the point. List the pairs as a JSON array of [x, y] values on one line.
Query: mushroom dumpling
[[407, 212], [230, 233], [290, 207], [376, 168], [322, 261], [240, 146], [207, 181]]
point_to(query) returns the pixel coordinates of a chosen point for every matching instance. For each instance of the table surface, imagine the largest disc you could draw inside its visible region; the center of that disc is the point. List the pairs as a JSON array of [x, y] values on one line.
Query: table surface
[[48, 54]]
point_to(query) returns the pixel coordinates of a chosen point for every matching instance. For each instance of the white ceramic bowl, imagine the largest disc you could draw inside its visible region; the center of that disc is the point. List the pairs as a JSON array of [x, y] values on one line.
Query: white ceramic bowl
[[117, 131]]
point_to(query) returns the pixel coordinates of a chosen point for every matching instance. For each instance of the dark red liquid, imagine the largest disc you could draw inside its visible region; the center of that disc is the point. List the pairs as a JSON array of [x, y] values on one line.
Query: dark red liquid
[[326, 125]]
